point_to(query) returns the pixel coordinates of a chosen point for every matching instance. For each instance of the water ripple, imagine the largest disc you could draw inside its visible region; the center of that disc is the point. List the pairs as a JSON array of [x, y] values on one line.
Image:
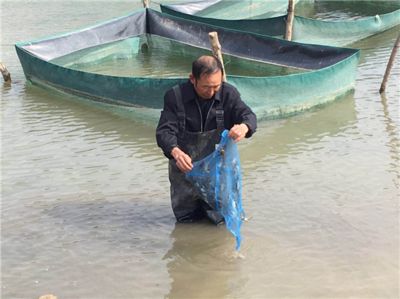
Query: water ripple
[[85, 193]]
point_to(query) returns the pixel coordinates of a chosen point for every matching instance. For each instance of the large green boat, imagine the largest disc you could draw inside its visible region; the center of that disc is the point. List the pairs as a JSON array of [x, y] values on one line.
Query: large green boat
[[132, 60]]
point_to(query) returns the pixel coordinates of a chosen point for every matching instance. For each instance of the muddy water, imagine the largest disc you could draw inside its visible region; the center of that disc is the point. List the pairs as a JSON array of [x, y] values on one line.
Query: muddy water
[[85, 208]]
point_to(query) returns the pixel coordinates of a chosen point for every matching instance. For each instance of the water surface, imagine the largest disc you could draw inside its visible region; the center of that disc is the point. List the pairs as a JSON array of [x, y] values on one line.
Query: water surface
[[153, 56], [85, 209]]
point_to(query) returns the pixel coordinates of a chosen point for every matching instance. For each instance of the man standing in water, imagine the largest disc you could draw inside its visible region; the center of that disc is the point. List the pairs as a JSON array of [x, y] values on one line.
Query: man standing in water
[[194, 115]]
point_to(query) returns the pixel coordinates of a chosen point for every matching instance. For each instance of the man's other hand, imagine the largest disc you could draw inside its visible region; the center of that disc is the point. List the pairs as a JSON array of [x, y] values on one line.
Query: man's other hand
[[183, 161]]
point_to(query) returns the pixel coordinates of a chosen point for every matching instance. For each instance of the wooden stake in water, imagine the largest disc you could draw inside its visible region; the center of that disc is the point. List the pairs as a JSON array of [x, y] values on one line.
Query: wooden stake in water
[[390, 65], [5, 73], [146, 3], [289, 21], [216, 49]]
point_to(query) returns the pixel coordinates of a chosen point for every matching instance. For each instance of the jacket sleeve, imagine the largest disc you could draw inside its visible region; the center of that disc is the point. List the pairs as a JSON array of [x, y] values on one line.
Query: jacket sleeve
[[243, 113], [167, 129]]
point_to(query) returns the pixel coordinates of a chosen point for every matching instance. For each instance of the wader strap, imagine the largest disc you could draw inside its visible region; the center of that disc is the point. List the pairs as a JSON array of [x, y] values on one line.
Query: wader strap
[[219, 111], [180, 110]]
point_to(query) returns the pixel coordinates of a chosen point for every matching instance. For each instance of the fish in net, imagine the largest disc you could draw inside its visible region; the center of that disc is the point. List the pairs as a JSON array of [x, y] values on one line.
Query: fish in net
[[218, 179]]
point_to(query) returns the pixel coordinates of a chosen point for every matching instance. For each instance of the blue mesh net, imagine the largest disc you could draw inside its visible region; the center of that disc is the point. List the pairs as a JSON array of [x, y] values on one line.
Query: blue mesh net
[[218, 179]]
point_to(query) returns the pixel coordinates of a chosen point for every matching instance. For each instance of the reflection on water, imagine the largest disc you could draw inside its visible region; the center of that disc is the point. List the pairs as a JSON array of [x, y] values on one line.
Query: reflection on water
[[344, 10], [393, 143], [85, 209], [201, 262], [353, 9]]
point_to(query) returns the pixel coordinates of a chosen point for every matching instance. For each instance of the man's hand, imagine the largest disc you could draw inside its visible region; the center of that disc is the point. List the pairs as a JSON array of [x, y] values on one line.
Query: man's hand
[[238, 132], [183, 161]]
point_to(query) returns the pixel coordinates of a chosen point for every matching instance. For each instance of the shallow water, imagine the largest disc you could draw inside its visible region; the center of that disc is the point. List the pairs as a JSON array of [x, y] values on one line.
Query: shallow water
[[85, 209]]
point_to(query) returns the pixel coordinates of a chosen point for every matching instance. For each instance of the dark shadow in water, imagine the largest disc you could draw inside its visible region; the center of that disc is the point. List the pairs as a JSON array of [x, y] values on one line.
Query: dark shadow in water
[[138, 222], [201, 262]]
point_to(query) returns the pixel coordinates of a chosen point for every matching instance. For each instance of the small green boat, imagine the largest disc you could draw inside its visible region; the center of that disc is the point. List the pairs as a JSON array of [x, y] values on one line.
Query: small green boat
[[132, 60], [338, 32]]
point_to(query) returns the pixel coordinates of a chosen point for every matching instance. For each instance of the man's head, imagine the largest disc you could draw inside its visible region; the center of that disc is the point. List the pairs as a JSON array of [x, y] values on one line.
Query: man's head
[[206, 76]]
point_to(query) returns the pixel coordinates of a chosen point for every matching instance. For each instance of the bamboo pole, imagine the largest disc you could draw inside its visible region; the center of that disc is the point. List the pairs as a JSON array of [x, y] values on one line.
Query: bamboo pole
[[289, 21], [390, 65], [146, 3], [216, 49], [5, 73]]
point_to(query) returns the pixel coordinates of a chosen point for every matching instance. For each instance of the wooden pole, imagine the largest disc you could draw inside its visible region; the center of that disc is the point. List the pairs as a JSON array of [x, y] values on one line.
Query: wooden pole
[[5, 73], [216, 49], [146, 3], [289, 21], [390, 65]]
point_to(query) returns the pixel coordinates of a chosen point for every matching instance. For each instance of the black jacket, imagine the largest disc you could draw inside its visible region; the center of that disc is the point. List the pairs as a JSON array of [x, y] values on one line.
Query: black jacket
[[235, 112]]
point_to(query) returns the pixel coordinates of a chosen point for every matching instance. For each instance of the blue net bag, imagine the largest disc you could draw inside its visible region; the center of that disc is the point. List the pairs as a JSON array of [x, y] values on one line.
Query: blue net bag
[[218, 178]]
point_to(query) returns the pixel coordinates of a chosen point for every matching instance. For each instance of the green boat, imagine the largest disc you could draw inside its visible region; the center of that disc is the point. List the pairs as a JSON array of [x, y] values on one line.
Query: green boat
[[132, 60], [233, 9], [338, 32]]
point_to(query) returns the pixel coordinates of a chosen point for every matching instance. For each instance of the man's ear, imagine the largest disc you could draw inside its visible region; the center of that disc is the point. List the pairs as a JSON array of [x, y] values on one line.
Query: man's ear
[[192, 79]]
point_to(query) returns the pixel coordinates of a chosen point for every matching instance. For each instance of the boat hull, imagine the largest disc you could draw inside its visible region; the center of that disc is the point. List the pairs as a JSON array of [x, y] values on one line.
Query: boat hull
[[305, 30]]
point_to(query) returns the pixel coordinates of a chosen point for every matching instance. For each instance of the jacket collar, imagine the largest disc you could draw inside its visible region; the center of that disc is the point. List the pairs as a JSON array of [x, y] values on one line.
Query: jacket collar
[[191, 95]]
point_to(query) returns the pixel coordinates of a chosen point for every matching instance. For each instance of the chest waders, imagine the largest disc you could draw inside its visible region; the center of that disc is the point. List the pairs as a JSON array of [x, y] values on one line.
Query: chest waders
[[187, 203]]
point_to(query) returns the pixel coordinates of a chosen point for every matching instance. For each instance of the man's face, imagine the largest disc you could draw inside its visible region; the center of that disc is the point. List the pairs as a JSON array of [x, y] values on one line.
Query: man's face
[[207, 85]]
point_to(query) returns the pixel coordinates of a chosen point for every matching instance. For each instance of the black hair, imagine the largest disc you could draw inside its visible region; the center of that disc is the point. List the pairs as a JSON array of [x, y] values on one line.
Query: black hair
[[206, 65]]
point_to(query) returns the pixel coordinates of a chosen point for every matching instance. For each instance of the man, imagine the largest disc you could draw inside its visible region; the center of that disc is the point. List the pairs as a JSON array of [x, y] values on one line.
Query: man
[[194, 115]]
